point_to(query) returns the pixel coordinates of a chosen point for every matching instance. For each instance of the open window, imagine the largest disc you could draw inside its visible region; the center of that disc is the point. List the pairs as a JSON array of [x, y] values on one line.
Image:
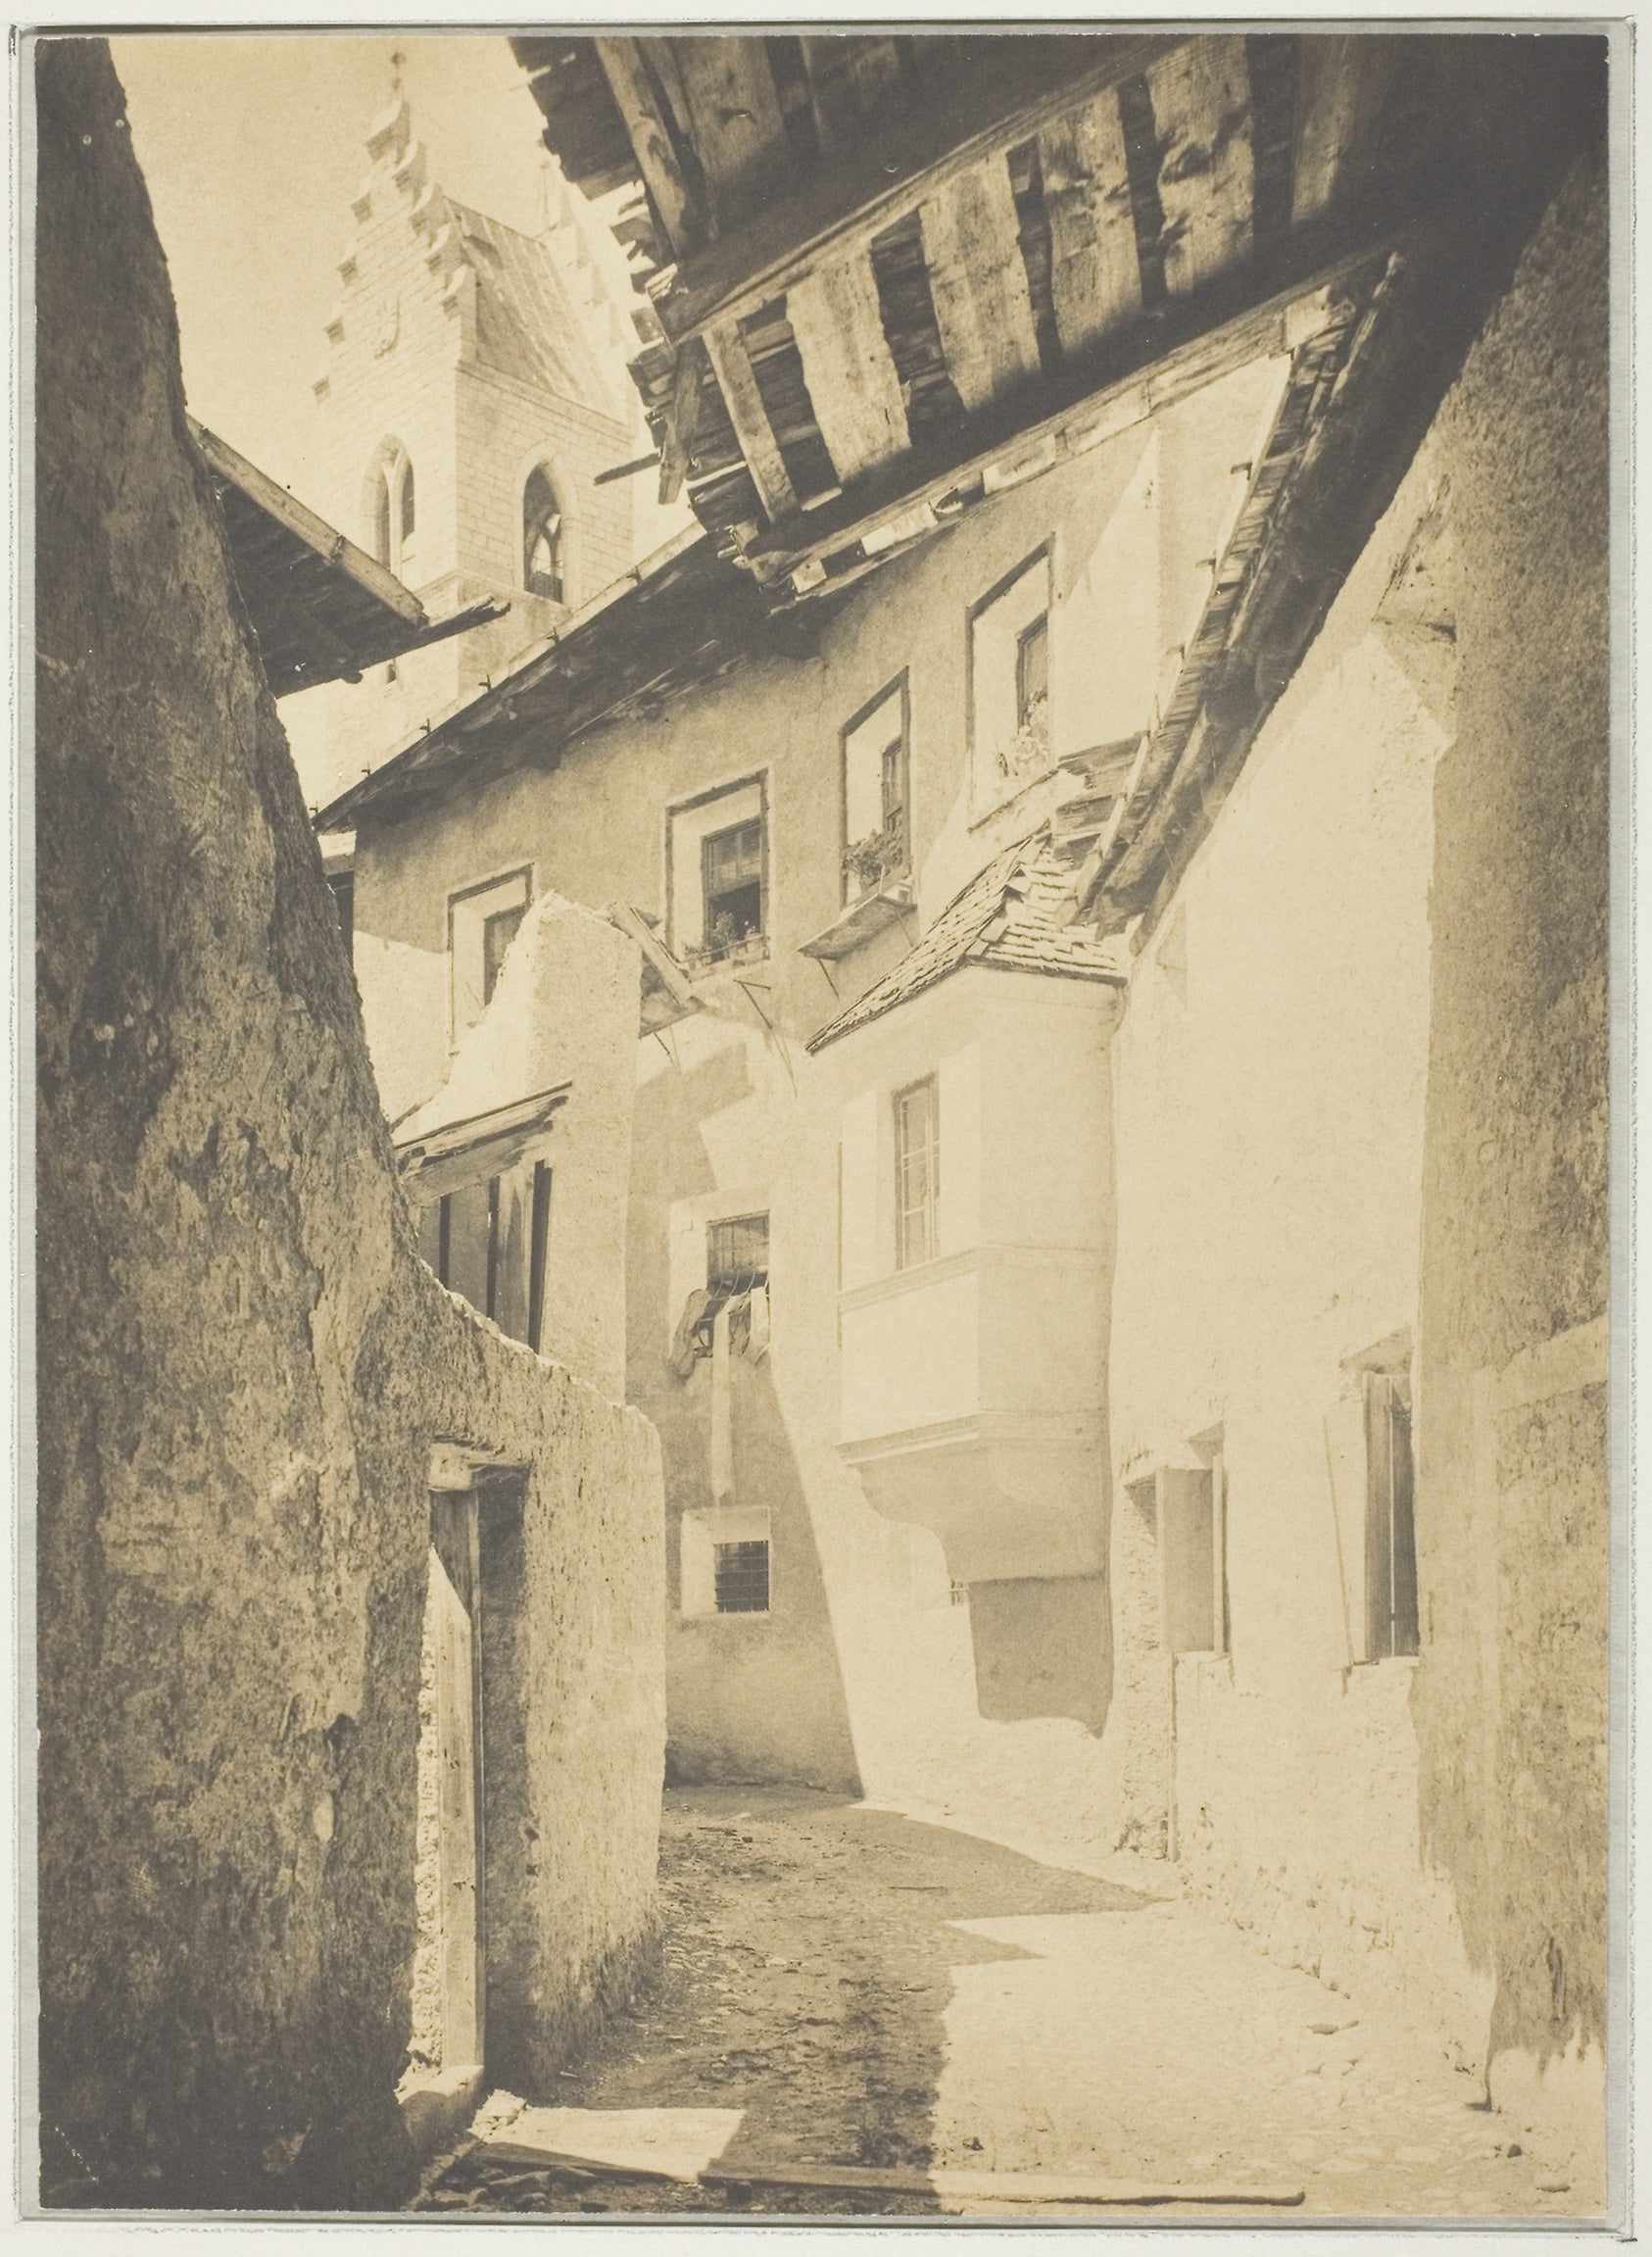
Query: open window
[[875, 841], [1011, 741], [717, 877], [482, 922], [542, 536]]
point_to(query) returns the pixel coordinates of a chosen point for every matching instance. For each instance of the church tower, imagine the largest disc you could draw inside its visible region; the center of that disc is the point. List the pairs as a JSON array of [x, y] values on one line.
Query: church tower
[[466, 406]]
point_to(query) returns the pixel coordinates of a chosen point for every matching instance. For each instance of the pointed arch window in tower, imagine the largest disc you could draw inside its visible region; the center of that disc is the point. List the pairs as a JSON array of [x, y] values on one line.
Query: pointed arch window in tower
[[542, 537], [392, 511]]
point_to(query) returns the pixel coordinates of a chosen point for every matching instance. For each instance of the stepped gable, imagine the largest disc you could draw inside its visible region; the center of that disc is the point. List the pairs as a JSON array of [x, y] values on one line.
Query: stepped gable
[[1007, 918], [509, 288]]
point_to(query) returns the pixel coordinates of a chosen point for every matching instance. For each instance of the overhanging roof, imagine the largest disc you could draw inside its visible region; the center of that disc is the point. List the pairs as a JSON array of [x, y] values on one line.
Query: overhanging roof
[[322, 609], [681, 617], [891, 275]]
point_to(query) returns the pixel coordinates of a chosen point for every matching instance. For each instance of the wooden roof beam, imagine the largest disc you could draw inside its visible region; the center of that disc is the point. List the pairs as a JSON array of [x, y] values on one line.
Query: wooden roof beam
[[654, 136], [314, 531], [1125, 377], [874, 180], [736, 379]]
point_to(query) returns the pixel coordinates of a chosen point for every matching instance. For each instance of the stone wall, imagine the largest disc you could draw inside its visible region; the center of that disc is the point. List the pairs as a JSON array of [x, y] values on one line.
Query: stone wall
[[1511, 1694], [243, 1365]]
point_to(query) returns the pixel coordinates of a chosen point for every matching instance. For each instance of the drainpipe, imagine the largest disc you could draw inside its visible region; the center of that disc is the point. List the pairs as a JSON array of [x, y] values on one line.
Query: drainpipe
[[722, 1425]]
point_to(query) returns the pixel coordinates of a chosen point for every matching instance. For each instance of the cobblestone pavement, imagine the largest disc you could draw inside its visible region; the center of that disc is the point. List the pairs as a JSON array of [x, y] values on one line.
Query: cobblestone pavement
[[845, 1986]]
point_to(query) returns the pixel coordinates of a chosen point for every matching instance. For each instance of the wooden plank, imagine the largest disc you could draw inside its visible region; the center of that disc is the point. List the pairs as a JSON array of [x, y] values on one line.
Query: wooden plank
[[682, 420], [846, 78], [1095, 275], [633, 88], [1010, 2186], [1201, 103], [853, 382], [738, 131], [977, 281], [876, 177], [1119, 383], [731, 364], [325, 540], [1341, 80]]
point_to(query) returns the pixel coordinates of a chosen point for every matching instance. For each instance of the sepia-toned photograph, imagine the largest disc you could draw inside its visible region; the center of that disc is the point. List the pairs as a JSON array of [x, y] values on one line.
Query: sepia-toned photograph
[[819, 828]]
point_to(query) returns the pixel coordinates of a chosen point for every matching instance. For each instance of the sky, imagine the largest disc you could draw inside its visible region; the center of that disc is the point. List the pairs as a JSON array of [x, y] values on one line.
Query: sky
[[252, 144]]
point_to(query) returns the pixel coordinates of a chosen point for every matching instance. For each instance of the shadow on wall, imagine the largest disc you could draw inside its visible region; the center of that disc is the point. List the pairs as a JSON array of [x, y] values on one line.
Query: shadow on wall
[[757, 1696], [1042, 1647], [749, 1697]]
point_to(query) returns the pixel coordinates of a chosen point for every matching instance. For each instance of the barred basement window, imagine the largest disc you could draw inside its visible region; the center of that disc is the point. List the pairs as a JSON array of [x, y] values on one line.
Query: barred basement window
[[740, 1573]]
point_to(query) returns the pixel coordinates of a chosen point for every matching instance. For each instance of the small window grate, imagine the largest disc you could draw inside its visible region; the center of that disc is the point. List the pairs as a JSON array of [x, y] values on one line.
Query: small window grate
[[741, 1572], [737, 1253]]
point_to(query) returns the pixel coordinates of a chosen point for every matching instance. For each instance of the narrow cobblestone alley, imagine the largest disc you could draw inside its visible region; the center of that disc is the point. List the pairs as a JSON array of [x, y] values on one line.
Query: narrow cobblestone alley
[[846, 1990]]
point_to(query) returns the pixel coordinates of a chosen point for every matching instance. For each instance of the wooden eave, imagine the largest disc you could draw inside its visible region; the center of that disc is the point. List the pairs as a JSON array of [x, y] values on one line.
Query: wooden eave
[[677, 620], [321, 608], [1356, 408], [888, 275]]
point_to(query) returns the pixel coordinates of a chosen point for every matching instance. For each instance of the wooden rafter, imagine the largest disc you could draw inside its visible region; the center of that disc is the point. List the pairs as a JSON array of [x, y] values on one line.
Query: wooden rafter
[[885, 173]]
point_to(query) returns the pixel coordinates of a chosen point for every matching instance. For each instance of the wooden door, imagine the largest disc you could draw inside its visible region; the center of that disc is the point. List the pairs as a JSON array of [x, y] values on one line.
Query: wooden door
[[452, 1625]]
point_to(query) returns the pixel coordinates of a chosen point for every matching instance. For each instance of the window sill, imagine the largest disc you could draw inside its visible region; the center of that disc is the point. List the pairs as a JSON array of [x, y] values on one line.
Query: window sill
[[873, 914], [737, 960], [744, 1614], [899, 1281]]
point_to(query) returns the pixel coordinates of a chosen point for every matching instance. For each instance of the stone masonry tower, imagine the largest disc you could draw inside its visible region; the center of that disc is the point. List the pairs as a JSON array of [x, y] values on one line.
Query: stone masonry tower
[[466, 406]]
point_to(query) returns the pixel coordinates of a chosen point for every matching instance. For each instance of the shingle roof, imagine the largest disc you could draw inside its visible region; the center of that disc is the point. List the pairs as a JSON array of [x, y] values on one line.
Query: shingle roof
[[526, 321], [1007, 918]]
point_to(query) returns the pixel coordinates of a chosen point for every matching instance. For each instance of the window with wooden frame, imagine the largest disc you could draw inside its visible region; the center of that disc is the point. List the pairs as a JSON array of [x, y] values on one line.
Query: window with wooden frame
[[717, 876], [917, 1173], [488, 1241], [1391, 1538], [483, 921], [1007, 687], [876, 846], [1368, 1446]]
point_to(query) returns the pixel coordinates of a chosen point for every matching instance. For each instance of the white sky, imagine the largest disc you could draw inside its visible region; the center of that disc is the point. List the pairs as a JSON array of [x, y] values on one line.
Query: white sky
[[251, 146]]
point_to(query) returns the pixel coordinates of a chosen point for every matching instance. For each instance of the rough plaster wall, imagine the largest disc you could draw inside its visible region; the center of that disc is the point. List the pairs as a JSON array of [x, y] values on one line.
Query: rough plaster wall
[[1515, 1216], [725, 1104], [1269, 1081], [564, 1009], [243, 1364]]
